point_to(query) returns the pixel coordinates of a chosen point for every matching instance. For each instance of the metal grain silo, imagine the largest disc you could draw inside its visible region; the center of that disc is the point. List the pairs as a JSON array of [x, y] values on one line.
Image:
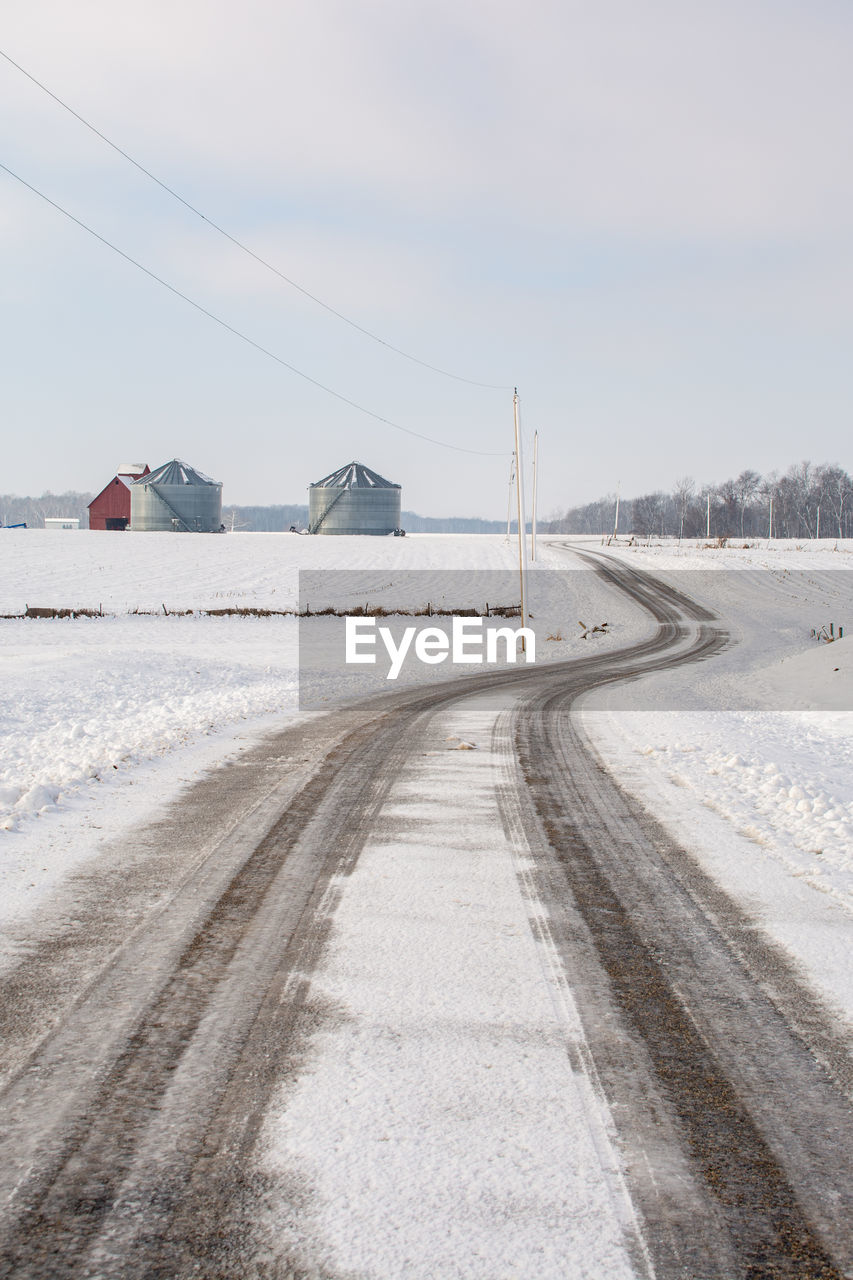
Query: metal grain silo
[[354, 500], [176, 497]]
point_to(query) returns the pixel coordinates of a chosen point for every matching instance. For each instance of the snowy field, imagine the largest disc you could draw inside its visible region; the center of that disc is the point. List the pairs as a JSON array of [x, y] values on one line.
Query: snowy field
[[759, 740], [103, 720], [86, 698], [747, 758]]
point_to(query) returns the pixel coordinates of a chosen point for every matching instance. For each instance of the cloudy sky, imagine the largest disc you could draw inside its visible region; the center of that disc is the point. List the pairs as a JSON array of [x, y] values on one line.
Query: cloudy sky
[[641, 214]]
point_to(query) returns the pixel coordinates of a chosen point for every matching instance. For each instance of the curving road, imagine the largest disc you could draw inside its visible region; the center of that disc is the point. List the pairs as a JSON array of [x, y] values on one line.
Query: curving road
[[145, 1036]]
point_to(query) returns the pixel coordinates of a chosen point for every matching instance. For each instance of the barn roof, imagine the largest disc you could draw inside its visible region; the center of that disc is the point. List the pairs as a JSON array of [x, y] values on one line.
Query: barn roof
[[355, 475], [124, 477], [176, 472]]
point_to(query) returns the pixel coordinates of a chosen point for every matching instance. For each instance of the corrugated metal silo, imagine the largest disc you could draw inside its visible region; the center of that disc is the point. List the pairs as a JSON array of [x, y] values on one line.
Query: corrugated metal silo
[[176, 497], [354, 500]]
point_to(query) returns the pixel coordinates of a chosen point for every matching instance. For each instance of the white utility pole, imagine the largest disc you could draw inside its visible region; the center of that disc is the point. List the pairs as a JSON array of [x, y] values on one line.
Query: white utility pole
[[522, 535], [509, 496], [616, 517], [533, 517], [708, 519], [770, 523]]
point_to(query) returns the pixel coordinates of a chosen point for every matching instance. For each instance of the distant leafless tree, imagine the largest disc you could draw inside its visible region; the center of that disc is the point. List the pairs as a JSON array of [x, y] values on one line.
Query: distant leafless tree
[[681, 495], [648, 513], [836, 494], [746, 486]]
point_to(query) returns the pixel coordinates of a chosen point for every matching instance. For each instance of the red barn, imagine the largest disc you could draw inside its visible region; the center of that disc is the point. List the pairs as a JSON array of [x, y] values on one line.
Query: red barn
[[111, 508]]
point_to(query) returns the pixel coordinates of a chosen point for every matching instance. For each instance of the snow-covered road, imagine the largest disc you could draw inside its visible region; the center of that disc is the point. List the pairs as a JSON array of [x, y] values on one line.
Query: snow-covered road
[[729, 761], [464, 1139]]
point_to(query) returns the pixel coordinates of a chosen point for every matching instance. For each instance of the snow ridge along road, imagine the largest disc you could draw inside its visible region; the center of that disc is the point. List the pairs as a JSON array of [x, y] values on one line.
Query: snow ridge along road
[[139, 1084]]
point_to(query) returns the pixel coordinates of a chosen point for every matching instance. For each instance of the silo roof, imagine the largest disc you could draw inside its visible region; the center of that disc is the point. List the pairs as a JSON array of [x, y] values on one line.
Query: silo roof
[[176, 472], [355, 475]]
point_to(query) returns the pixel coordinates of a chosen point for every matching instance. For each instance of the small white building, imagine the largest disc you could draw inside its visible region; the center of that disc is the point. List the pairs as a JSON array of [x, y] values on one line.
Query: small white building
[[62, 522]]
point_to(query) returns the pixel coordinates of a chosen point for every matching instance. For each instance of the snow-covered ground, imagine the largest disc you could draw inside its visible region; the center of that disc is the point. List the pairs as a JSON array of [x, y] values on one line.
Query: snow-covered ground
[[103, 720], [760, 737], [746, 757], [239, 570], [83, 699]]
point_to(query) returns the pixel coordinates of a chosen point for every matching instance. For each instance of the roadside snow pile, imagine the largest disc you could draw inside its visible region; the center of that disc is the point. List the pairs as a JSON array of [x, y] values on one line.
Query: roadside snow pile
[[83, 700], [785, 787], [819, 678], [761, 737]]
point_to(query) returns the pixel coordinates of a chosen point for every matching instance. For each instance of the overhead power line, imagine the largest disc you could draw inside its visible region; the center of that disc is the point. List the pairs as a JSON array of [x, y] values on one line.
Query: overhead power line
[[237, 332], [245, 248]]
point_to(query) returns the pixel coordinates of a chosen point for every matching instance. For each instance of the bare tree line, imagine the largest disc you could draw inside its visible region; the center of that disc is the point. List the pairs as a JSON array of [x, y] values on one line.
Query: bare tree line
[[808, 501], [33, 511]]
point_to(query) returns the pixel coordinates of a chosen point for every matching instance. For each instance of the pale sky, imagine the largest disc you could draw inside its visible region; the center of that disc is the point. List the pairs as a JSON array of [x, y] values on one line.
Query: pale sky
[[639, 214]]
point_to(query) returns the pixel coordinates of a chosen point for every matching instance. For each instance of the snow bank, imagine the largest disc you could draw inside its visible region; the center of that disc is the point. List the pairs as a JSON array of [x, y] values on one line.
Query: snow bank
[[749, 759], [84, 699]]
